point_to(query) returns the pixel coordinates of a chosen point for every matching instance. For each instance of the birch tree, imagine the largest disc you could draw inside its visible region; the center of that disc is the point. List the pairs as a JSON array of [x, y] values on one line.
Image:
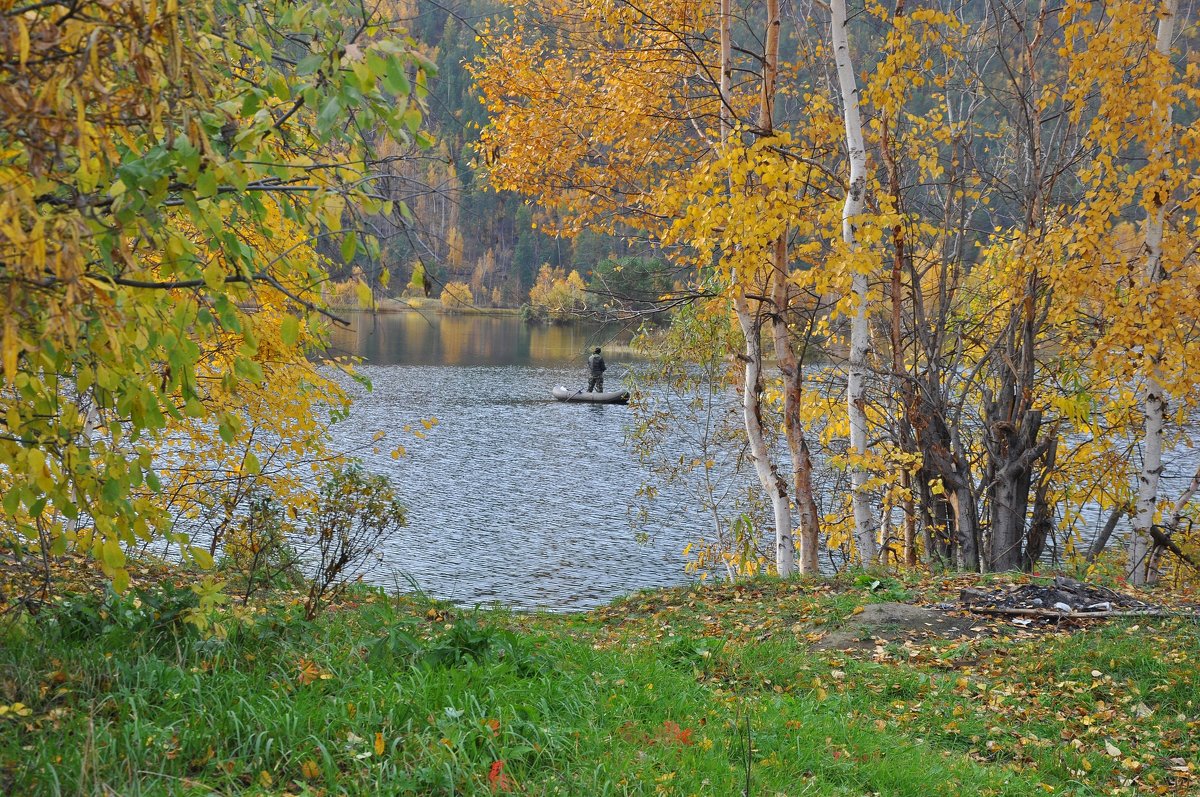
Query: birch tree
[[750, 323], [1145, 173], [860, 334], [1154, 402], [721, 194]]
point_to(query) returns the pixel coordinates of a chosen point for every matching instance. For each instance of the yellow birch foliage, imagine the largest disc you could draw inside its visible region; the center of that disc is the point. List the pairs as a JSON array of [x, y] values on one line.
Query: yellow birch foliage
[[591, 118], [163, 180], [1143, 159]]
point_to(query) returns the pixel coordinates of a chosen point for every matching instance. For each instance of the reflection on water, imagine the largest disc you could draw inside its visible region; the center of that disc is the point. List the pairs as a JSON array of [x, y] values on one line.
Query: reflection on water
[[512, 497], [423, 338]]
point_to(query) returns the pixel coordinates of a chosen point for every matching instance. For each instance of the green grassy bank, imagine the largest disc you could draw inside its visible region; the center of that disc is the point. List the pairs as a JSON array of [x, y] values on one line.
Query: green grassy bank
[[716, 690]]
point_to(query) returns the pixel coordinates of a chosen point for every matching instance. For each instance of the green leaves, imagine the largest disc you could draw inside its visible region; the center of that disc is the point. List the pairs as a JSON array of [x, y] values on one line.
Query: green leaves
[[289, 330], [174, 200], [349, 246], [206, 185], [329, 116], [393, 71]]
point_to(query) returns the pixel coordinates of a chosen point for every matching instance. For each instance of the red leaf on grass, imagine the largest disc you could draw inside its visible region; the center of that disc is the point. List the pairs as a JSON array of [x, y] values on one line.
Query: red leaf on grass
[[497, 778], [673, 733]]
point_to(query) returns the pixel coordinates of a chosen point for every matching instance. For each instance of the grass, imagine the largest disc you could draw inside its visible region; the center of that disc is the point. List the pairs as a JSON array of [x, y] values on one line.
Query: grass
[[711, 690]]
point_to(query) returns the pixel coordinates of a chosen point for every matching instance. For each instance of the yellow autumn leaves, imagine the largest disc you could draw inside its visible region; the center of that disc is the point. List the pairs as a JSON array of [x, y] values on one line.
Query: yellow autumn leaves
[[165, 186], [997, 200]]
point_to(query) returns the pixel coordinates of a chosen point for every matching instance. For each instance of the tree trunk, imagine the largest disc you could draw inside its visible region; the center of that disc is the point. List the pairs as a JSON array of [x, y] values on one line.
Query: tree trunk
[[966, 529], [1110, 526], [726, 44], [908, 505], [951, 517], [772, 483], [939, 527], [1173, 523], [860, 341], [791, 371], [902, 391], [1012, 426], [790, 368], [966, 508], [1012, 431], [1009, 505], [768, 476], [766, 112], [1041, 524], [1154, 405]]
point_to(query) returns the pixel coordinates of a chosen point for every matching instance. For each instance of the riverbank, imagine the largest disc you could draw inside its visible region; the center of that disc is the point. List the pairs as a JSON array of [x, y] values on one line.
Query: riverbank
[[410, 304], [428, 307], [706, 690]]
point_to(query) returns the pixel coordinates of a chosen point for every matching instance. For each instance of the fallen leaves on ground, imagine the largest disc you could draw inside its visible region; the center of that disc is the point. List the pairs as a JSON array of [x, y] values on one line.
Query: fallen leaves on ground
[[1024, 695]]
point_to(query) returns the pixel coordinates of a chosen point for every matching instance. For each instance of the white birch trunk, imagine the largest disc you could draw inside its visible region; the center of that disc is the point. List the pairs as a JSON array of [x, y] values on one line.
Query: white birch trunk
[[860, 336], [1154, 402], [1154, 408], [768, 476]]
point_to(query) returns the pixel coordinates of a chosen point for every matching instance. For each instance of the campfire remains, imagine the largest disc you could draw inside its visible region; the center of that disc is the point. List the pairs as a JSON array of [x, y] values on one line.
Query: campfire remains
[[1065, 599]]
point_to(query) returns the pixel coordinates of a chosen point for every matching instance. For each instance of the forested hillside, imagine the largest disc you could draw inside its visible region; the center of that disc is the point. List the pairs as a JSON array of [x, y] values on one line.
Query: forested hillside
[[460, 230]]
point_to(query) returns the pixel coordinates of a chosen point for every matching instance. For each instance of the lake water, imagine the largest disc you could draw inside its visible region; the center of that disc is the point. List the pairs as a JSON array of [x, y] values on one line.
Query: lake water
[[512, 497]]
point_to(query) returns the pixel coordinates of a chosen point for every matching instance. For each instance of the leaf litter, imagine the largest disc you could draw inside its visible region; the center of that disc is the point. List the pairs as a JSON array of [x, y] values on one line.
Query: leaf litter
[[1054, 692]]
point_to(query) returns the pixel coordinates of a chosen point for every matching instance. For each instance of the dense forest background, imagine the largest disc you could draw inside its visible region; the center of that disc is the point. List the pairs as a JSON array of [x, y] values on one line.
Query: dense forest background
[[459, 230], [456, 229]]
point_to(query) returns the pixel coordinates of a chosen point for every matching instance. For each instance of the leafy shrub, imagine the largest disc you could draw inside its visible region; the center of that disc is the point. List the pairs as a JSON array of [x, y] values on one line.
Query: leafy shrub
[[465, 642], [150, 617], [558, 295], [457, 296], [355, 512], [885, 587], [258, 551], [700, 655]]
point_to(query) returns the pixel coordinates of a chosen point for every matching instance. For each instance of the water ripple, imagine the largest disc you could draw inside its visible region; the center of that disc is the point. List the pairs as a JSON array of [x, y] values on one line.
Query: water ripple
[[513, 497]]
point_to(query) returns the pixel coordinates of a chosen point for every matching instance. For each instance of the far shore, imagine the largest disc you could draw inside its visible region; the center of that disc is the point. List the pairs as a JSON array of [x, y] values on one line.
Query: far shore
[[413, 304], [409, 304]]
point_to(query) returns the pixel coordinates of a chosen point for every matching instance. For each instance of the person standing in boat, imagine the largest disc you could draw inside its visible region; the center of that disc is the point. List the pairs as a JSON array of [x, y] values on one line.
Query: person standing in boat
[[596, 368]]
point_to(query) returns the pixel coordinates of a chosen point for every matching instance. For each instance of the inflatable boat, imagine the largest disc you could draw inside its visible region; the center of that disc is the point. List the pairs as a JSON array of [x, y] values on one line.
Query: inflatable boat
[[612, 397]]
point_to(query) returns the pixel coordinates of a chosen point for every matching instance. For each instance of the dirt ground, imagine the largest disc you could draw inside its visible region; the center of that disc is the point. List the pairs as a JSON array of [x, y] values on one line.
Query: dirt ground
[[898, 622]]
